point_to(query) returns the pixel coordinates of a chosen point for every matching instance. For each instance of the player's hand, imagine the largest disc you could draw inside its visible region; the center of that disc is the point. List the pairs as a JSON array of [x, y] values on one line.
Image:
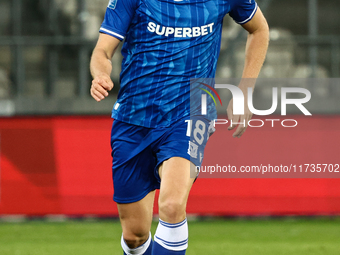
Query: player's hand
[[100, 87], [239, 121]]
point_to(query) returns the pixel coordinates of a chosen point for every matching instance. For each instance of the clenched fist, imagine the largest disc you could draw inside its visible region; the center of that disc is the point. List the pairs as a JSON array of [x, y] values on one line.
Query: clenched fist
[[100, 87]]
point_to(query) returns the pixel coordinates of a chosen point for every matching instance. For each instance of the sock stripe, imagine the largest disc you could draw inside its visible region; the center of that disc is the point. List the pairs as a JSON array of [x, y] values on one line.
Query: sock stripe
[[173, 244], [171, 237], [169, 225]]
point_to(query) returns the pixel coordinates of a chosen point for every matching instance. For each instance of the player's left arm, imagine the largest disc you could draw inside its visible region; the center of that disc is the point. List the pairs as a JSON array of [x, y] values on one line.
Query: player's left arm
[[256, 49]]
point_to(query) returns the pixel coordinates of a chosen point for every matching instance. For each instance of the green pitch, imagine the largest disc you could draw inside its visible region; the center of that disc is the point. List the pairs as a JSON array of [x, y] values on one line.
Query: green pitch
[[235, 237]]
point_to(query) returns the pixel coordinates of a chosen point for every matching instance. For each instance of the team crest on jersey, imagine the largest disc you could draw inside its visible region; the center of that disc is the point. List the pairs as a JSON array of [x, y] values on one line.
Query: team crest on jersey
[[112, 4]]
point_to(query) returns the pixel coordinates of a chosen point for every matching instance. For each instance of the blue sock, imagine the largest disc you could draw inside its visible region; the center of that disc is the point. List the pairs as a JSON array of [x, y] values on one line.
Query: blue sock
[[144, 249], [149, 250], [171, 239]]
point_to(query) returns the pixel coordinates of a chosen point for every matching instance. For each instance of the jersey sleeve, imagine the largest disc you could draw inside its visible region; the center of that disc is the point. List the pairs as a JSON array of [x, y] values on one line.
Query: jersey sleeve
[[242, 11], [118, 16]]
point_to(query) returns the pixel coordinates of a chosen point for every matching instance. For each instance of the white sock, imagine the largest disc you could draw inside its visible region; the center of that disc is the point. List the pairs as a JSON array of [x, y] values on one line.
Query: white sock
[[173, 237], [136, 251]]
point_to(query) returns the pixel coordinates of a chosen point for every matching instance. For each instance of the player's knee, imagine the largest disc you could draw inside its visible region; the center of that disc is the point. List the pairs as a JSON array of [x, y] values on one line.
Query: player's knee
[[134, 240], [172, 211]]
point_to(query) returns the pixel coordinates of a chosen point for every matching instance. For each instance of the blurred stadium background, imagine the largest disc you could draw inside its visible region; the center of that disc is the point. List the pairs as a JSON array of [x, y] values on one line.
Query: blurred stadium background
[[54, 139]]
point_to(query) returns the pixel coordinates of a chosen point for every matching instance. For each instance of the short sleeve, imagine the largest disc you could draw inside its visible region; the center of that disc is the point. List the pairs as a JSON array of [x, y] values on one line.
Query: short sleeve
[[118, 16], [242, 11]]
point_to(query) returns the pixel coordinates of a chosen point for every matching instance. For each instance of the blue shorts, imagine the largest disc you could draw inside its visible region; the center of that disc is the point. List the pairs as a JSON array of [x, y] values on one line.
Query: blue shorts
[[138, 151]]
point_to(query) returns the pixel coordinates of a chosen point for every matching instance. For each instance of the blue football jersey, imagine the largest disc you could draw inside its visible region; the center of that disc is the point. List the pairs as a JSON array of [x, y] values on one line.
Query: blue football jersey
[[167, 43]]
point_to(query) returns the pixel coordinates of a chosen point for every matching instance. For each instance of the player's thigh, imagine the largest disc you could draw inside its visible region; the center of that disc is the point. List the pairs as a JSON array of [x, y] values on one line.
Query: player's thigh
[[136, 217], [133, 163], [176, 182]]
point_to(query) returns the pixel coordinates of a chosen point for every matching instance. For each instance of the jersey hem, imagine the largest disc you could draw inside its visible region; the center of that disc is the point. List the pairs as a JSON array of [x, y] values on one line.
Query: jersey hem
[[250, 17], [117, 116]]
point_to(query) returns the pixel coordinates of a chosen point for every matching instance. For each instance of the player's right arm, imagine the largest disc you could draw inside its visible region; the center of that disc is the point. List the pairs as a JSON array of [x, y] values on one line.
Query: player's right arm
[[118, 16], [101, 66]]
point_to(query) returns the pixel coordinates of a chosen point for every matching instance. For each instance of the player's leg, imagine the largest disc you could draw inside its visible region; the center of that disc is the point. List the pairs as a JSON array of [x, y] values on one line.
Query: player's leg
[[176, 183], [134, 182], [172, 232], [181, 149], [136, 219]]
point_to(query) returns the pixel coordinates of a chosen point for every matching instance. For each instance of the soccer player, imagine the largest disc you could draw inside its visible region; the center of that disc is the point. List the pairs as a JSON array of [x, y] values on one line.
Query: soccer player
[[155, 136]]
